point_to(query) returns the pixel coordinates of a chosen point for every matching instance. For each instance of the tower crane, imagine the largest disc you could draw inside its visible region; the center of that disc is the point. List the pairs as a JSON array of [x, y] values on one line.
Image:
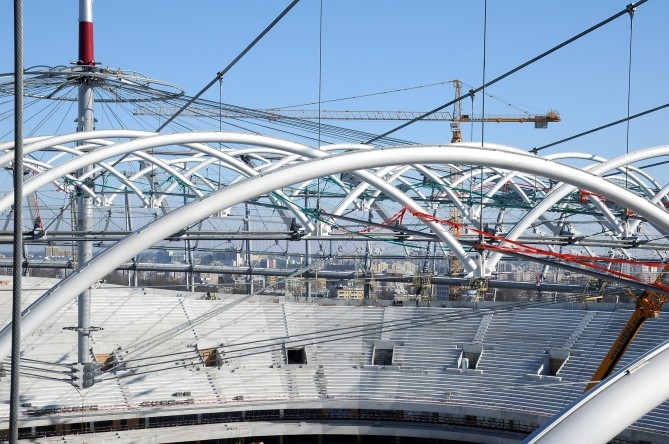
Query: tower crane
[[309, 114], [540, 121], [456, 118]]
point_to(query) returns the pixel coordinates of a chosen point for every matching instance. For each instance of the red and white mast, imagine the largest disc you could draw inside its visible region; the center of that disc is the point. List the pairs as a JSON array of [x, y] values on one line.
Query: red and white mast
[[86, 47], [86, 117], [84, 203]]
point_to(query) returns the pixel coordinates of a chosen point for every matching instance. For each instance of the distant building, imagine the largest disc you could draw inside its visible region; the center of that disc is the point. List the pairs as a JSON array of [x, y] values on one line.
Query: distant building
[[349, 292], [269, 262], [209, 278], [163, 257], [57, 252], [229, 256]]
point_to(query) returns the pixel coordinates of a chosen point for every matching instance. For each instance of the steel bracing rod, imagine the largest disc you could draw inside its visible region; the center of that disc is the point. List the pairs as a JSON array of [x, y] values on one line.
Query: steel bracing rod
[[189, 139], [463, 242], [303, 150], [39, 167], [600, 414], [18, 226], [205, 149], [229, 159], [415, 237], [391, 227], [43, 308], [472, 92], [41, 143], [220, 74], [362, 187], [444, 235], [128, 183], [491, 192], [609, 219], [307, 151], [621, 170]]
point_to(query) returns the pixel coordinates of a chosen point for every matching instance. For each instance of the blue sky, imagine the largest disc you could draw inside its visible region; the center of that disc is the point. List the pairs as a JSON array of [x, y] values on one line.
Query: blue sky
[[379, 45]]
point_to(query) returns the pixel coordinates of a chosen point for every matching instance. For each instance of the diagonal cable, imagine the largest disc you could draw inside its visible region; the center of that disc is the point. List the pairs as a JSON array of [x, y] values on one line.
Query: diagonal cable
[[220, 74]]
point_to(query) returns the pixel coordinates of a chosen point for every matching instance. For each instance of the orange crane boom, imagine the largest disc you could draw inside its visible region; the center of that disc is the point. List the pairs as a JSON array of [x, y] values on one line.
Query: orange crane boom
[[648, 305]]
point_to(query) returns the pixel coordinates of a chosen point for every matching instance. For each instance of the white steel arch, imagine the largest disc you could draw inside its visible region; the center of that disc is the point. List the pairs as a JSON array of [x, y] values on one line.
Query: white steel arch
[[297, 152], [53, 300]]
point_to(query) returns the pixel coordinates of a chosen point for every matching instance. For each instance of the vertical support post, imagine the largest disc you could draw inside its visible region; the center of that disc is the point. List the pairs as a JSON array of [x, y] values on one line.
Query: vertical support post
[[132, 279], [85, 122], [18, 223], [247, 243], [367, 285], [190, 275], [307, 252], [26, 262]]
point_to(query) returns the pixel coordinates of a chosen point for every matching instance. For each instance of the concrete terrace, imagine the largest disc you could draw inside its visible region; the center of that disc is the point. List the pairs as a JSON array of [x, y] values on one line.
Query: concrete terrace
[[173, 352]]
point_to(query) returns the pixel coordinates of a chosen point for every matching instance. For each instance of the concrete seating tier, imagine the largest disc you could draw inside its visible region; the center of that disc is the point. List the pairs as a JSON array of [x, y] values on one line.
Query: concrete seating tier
[[160, 337]]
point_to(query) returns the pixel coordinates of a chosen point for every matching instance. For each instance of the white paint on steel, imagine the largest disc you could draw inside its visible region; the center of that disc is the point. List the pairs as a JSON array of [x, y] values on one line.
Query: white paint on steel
[[298, 150], [86, 10], [43, 308]]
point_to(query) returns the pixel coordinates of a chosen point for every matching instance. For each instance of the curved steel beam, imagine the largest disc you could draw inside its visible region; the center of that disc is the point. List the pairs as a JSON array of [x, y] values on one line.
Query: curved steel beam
[[50, 302], [47, 142], [190, 139]]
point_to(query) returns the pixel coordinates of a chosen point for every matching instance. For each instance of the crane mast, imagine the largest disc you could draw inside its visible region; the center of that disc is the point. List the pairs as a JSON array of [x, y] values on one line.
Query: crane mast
[[454, 265]]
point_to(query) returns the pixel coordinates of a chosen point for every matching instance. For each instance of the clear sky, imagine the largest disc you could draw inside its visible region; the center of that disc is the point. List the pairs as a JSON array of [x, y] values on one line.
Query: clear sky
[[379, 45]]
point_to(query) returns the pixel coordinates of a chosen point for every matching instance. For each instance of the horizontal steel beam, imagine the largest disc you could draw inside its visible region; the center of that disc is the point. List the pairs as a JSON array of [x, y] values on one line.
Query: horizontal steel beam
[[415, 236], [318, 274]]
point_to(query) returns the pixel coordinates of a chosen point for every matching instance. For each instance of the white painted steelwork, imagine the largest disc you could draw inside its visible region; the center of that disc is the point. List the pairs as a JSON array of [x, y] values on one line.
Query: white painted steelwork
[[611, 406], [51, 301], [296, 153]]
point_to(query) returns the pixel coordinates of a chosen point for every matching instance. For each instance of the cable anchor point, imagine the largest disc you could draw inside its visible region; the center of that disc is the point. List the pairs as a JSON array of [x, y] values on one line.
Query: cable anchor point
[[630, 9]]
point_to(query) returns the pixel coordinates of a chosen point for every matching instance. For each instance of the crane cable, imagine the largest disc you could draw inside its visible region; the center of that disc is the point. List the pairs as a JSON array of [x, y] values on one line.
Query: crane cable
[[630, 11], [481, 255], [608, 125]]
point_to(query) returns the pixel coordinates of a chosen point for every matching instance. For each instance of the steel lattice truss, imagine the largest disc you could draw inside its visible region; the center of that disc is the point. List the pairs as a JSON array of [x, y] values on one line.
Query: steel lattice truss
[[194, 182], [139, 177]]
